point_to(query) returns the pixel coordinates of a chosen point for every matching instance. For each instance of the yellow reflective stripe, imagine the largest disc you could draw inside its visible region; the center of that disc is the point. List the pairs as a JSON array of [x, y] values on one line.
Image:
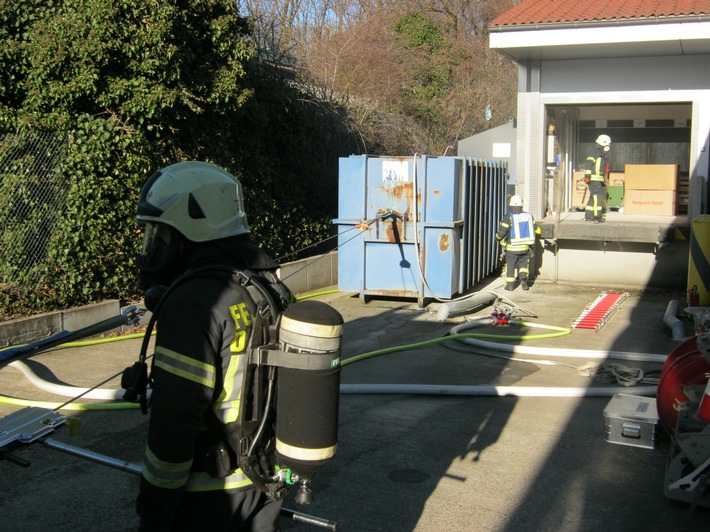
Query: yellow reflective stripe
[[185, 367], [169, 475], [204, 482], [304, 453], [227, 405], [596, 174], [311, 329]]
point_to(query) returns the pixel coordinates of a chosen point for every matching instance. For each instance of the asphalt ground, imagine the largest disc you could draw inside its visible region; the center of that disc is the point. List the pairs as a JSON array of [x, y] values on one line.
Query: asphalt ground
[[434, 460]]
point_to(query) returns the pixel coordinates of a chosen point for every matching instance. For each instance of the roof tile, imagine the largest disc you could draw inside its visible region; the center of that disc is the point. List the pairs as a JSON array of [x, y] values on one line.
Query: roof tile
[[570, 11]]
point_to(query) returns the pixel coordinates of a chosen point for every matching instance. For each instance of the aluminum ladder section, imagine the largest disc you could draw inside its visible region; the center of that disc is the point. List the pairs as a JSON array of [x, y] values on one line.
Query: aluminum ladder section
[[596, 315]]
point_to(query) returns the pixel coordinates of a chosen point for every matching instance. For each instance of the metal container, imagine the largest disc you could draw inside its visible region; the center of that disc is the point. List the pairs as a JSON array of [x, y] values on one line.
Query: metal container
[[631, 420], [417, 227]]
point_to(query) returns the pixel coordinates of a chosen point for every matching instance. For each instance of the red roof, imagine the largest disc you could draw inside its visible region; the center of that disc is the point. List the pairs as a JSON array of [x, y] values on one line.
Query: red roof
[[572, 11]]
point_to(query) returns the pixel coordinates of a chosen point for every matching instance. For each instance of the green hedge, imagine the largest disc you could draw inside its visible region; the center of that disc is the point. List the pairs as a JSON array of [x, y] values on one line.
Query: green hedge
[[140, 85]]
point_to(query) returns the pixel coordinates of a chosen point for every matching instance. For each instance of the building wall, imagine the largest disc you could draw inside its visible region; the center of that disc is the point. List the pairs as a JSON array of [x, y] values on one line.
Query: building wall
[[616, 264], [498, 143], [687, 72]]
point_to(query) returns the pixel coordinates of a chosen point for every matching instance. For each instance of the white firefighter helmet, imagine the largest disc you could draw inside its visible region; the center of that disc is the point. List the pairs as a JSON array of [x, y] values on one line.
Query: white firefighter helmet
[[516, 201], [201, 201], [604, 141]]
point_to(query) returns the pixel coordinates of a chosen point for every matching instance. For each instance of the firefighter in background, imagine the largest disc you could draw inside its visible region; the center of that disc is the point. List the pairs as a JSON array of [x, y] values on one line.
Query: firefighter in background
[[595, 176], [193, 220], [516, 235]]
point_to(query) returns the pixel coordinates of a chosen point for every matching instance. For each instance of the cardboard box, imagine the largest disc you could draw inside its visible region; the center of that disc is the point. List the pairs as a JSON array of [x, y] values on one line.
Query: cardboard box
[[579, 189], [631, 420], [651, 176], [650, 202], [616, 179]]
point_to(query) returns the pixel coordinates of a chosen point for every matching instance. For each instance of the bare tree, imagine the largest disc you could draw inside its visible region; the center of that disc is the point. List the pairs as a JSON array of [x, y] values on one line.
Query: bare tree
[[348, 52]]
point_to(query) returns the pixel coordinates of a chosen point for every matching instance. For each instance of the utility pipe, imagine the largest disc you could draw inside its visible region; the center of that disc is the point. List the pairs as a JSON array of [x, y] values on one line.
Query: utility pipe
[[102, 459], [671, 320]]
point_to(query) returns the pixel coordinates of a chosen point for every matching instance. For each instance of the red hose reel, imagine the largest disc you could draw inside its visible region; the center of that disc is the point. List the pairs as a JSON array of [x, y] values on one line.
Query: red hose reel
[[684, 367]]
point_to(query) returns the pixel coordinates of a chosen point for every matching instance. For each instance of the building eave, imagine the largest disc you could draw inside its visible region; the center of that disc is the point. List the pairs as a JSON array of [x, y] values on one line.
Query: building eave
[[689, 36]]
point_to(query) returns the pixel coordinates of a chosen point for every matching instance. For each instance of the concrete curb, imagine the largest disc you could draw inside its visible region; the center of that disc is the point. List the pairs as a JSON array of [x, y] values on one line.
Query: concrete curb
[[32, 328]]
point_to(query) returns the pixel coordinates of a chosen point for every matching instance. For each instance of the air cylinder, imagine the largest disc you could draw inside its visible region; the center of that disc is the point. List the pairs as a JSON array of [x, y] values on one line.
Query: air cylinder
[[699, 260], [307, 399]]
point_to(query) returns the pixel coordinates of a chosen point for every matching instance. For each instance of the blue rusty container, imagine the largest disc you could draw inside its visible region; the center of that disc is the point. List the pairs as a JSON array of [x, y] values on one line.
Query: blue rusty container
[[417, 227]]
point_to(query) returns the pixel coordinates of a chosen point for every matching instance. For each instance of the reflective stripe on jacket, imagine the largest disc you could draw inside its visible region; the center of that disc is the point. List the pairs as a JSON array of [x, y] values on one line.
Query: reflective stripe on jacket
[[594, 170]]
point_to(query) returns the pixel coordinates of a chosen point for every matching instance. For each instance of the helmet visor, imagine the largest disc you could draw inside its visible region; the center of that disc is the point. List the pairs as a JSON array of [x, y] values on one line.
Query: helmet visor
[[159, 246]]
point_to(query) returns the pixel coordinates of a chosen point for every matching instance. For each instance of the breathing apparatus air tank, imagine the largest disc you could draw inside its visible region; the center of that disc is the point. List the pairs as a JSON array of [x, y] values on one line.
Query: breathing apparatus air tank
[[307, 396]]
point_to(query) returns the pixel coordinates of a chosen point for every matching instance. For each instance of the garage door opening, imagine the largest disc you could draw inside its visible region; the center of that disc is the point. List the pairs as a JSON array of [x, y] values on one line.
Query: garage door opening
[[642, 134]]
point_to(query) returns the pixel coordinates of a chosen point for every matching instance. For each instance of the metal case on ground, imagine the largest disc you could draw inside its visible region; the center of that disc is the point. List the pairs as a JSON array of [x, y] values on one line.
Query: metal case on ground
[[631, 420]]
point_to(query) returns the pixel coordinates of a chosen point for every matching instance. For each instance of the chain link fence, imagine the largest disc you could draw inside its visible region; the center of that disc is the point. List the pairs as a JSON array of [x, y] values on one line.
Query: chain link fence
[[33, 194]]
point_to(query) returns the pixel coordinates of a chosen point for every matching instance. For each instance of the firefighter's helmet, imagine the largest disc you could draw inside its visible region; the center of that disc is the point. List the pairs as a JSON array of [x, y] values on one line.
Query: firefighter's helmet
[[604, 141], [191, 200], [516, 201], [199, 200]]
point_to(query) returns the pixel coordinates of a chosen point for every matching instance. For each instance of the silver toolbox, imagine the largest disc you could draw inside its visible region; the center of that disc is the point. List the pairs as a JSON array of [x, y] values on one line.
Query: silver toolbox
[[631, 420]]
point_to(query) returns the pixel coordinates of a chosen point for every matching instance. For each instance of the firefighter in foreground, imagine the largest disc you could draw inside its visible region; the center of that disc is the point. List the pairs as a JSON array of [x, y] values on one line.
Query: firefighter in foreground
[[595, 175], [194, 220], [516, 235]]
